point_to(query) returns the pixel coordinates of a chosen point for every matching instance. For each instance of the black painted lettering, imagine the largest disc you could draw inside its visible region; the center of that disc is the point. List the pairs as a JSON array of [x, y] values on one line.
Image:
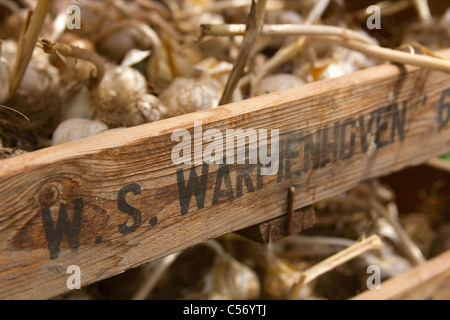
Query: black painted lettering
[[259, 177], [365, 130], [328, 146], [63, 226], [398, 122], [126, 208], [444, 109], [193, 186], [381, 127], [311, 150], [243, 174], [223, 174], [347, 154]]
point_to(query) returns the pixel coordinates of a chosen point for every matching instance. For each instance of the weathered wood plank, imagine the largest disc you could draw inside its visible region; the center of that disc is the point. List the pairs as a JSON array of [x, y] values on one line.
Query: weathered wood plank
[[428, 281], [117, 200], [276, 228]]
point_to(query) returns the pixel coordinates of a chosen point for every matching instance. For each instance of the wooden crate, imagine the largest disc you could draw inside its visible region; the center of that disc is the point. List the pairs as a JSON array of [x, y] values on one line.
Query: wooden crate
[[116, 200], [432, 279]]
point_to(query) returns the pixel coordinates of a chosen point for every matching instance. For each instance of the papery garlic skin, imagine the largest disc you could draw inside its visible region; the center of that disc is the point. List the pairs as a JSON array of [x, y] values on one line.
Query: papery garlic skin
[[80, 106], [117, 44], [4, 80], [233, 279], [344, 62], [150, 108], [123, 80], [186, 95], [123, 100], [40, 77], [279, 279], [277, 82], [76, 129]]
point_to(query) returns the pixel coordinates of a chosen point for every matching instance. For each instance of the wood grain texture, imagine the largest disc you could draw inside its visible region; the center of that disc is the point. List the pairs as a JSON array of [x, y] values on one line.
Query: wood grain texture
[[112, 202], [275, 229], [428, 281]]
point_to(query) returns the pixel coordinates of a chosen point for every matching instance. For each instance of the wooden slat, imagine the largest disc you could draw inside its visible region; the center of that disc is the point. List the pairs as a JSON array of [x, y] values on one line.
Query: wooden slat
[[116, 196], [276, 228], [428, 281], [440, 164]]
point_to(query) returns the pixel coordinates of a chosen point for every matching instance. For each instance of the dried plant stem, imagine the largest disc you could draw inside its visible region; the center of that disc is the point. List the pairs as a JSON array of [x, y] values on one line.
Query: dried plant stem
[[16, 111], [411, 250], [214, 7], [285, 30], [312, 246], [65, 50], [288, 52], [341, 37], [372, 243], [154, 277], [389, 54], [254, 24], [388, 8], [423, 9], [27, 42]]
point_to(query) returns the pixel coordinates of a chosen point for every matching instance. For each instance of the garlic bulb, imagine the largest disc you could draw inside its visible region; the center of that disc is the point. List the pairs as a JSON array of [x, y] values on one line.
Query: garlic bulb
[[80, 106], [279, 278], [187, 95], [150, 108], [123, 100], [4, 78], [117, 44], [344, 62], [123, 80], [231, 278], [278, 82], [76, 129], [40, 78], [391, 264], [13, 25]]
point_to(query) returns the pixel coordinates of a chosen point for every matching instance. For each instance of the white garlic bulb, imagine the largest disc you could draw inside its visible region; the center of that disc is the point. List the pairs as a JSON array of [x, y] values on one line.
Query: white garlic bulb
[[279, 278], [231, 278], [80, 106], [186, 95], [4, 79], [117, 44], [150, 108], [76, 129], [123, 100], [123, 80], [40, 77], [278, 82], [344, 62]]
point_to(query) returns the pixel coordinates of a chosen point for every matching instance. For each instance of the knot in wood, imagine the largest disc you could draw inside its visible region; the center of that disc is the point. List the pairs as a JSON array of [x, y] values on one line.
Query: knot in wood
[[49, 195]]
